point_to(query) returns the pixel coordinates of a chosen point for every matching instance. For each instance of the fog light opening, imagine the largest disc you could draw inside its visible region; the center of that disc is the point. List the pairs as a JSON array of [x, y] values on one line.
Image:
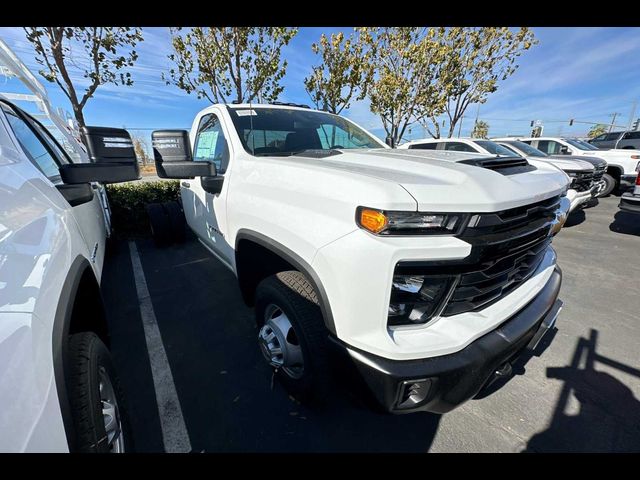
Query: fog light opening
[[412, 393]]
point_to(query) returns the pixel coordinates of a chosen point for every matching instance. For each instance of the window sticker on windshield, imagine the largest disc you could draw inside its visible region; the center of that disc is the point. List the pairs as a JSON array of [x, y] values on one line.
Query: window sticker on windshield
[[246, 113]]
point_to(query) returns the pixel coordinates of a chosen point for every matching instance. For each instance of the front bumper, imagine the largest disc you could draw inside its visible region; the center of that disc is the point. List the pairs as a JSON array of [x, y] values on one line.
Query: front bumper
[[630, 203], [579, 198], [446, 381]]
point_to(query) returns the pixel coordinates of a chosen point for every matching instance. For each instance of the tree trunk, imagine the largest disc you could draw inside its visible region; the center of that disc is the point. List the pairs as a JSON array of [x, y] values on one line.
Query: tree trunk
[[77, 112]]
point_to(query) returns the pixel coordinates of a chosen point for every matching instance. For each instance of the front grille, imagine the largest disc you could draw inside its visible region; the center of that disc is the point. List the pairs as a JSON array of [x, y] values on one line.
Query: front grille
[[507, 248], [582, 182], [599, 172]]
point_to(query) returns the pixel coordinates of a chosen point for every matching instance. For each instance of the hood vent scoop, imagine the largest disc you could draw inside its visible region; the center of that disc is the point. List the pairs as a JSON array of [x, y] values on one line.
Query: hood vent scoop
[[503, 165]]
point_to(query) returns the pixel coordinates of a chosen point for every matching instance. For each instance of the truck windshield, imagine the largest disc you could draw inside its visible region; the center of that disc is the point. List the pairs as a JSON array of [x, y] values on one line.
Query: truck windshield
[[527, 149], [283, 132], [579, 144], [494, 148]]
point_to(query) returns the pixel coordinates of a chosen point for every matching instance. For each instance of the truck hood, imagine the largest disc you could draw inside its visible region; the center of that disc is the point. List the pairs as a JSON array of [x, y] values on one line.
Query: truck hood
[[594, 161], [438, 182], [572, 163]]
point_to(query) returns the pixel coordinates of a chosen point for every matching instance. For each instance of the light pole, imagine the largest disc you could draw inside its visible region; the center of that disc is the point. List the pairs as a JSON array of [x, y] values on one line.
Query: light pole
[[613, 121]]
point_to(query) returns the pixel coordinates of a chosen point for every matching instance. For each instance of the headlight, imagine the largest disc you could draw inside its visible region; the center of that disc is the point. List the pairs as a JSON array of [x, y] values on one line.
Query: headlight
[[406, 223], [416, 298]]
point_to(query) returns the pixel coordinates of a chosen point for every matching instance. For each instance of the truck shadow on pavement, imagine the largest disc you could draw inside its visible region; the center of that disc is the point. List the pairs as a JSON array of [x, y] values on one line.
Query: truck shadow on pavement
[[626, 223], [228, 401], [575, 218], [595, 411]]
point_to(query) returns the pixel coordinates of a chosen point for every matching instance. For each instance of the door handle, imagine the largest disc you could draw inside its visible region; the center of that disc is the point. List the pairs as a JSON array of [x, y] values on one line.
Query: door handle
[[186, 184]]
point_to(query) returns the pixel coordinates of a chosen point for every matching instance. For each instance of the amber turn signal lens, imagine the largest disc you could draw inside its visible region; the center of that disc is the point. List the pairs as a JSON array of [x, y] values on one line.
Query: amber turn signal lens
[[372, 220]]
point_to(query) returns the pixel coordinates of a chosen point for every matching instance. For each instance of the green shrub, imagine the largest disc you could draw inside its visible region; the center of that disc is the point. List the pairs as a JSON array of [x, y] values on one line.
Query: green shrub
[[128, 201]]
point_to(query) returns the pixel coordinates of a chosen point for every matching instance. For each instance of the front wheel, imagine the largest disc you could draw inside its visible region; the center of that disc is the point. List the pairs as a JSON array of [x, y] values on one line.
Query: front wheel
[[101, 424], [292, 337], [610, 184]]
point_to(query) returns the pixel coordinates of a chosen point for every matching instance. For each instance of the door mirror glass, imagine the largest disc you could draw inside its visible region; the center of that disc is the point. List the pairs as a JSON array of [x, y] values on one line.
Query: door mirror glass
[[173, 158], [113, 158]]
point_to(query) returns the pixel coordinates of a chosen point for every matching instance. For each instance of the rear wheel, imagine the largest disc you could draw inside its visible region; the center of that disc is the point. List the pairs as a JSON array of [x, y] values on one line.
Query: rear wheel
[[292, 337], [96, 399], [610, 184]]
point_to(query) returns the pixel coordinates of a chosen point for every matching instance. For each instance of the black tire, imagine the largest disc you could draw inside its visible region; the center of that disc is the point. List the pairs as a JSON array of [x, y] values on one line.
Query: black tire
[[176, 220], [160, 224], [610, 185], [294, 295], [87, 357]]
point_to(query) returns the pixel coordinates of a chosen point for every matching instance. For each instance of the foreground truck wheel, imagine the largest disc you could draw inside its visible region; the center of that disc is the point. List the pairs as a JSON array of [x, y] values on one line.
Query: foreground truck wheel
[[292, 335], [100, 423]]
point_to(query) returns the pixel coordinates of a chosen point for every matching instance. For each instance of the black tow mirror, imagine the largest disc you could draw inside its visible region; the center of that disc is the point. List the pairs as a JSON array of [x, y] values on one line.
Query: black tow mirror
[[113, 158], [173, 158], [564, 150]]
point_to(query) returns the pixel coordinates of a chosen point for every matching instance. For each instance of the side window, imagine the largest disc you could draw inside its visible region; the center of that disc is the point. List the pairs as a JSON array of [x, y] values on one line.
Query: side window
[[600, 138], [210, 143], [459, 147], [612, 136], [39, 152], [632, 136], [549, 147], [423, 146]]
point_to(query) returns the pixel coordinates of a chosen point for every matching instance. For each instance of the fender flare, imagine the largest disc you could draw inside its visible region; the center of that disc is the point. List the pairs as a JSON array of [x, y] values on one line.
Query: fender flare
[[60, 334], [299, 263]]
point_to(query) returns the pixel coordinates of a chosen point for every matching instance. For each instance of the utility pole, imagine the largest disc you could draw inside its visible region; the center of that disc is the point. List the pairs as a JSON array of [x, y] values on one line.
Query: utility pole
[[633, 114], [460, 126], [613, 122]]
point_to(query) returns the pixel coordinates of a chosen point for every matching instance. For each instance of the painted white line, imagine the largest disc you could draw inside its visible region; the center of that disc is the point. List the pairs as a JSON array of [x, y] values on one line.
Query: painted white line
[[174, 431]]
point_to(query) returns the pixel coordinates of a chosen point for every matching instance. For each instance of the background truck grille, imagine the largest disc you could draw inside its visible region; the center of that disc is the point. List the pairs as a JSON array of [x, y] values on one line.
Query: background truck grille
[[599, 172], [582, 182], [508, 247]]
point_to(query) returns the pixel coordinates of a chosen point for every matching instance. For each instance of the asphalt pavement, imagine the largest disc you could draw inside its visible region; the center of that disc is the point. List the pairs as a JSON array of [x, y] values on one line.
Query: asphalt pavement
[[580, 394]]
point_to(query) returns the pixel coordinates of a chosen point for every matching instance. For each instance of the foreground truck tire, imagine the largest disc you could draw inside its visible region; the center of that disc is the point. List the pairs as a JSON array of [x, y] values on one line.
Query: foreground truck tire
[[610, 185], [96, 398], [292, 336]]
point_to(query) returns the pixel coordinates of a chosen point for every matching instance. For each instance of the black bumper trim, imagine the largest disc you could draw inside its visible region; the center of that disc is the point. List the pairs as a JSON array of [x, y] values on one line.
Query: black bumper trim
[[459, 376]]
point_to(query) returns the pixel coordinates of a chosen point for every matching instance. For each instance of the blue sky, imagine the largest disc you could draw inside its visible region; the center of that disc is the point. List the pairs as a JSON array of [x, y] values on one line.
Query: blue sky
[[581, 73]]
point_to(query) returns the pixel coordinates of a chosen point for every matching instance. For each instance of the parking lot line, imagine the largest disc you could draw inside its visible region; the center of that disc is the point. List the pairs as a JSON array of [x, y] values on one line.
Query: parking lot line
[[174, 431]]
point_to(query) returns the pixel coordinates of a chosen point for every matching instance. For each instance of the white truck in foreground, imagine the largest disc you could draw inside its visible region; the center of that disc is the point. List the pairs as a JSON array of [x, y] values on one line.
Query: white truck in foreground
[[428, 277]]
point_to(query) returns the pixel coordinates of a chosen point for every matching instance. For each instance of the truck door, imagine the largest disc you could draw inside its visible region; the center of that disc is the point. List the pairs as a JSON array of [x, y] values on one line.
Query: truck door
[[43, 151], [206, 212]]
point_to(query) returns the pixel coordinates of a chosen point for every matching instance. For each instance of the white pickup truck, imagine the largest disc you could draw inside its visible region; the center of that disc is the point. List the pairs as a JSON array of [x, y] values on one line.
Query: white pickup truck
[[621, 164], [581, 173], [428, 277]]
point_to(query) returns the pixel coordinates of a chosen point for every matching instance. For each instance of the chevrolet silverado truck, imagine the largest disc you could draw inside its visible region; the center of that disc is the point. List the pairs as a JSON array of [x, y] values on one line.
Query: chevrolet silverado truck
[[581, 173], [425, 277], [621, 163]]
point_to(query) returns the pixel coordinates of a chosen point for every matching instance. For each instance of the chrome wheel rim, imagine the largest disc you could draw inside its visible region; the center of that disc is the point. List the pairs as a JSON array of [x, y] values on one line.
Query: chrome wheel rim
[[110, 413], [279, 343]]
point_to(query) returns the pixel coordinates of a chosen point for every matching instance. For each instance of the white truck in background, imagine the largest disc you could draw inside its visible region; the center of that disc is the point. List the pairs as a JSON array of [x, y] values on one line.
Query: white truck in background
[[424, 273], [581, 173], [621, 164]]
